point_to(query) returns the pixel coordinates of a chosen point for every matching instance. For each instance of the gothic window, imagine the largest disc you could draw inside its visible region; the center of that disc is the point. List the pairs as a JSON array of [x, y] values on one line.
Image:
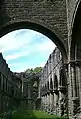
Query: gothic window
[[62, 78], [51, 84], [48, 85], [1, 82], [55, 82]]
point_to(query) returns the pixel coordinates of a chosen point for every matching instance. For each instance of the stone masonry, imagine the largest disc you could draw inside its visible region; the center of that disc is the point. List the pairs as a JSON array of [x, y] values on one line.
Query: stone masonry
[[54, 95], [10, 88], [60, 20]]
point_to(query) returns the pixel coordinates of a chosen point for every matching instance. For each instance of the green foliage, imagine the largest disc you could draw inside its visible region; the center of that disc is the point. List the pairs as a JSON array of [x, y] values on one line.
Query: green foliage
[[34, 115], [29, 71], [36, 70]]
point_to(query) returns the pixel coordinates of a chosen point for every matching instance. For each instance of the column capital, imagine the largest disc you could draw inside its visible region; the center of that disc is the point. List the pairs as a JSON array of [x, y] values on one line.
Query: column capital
[[75, 63], [78, 63], [72, 63], [64, 66]]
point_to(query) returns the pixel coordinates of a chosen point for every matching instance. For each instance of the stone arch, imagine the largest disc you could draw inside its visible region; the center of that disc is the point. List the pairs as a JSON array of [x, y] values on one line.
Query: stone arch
[[75, 50], [37, 27], [75, 11], [75, 57]]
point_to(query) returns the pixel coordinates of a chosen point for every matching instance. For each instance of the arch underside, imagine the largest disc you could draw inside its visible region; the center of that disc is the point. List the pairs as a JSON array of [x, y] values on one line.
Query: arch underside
[[39, 28], [76, 36]]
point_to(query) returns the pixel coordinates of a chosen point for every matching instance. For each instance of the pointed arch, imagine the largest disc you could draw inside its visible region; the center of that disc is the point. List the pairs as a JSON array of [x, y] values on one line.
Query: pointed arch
[[55, 82], [51, 84], [75, 49], [62, 81]]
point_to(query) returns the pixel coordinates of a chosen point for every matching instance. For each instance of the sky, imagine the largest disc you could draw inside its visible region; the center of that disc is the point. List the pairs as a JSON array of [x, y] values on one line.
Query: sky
[[24, 48]]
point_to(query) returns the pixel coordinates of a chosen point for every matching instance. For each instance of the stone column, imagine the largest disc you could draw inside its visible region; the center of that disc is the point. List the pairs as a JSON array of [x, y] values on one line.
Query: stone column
[[60, 98], [41, 103], [44, 102], [78, 72], [51, 102], [73, 78], [47, 102], [29, 96], [55, 101], [61, 102], [75, 87], [54, 104], [69, 82]]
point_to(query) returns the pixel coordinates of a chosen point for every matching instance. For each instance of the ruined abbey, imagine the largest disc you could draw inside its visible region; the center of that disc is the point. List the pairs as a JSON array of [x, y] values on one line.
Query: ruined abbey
[[59, 85]]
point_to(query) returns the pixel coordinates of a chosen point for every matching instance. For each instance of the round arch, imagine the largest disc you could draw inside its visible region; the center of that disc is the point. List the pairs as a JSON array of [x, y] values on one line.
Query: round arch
[[39, 28]]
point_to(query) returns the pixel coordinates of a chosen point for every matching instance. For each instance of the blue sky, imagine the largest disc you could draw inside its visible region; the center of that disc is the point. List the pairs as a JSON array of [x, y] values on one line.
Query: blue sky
[[25, 48]]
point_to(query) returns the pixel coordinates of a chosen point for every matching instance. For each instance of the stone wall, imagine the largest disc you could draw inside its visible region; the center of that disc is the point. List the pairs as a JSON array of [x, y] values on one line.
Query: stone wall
[[10, 93], [39, 14], [54, 85]]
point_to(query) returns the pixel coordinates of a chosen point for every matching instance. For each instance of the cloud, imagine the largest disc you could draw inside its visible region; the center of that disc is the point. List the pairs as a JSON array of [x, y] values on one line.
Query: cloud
[[32, 48], [21, 47], [45, 46], [16, 55], [19, 66], [14, 41]]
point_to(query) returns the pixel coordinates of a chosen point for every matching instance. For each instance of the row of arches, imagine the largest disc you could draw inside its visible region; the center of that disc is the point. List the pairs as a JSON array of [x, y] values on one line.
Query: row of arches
[[54, 86], [71, 54]]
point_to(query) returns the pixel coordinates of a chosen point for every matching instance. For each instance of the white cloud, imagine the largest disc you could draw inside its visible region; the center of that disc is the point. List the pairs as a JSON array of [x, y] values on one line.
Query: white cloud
[[19, 67], [24, 43], [43, 47], [13, 41], [16, 55]]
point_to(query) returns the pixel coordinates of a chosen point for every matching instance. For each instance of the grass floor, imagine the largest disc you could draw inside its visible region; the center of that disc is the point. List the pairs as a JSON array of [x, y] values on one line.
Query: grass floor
[[33, 115]]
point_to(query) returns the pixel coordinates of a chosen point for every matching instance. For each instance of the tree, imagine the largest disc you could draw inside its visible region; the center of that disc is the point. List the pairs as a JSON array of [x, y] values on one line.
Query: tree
[[35, 70], [29, 71]]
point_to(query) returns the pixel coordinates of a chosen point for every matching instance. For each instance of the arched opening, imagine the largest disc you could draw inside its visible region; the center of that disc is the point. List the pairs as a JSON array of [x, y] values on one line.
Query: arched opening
[[48, 85], [53, 37], [55, 83], [75, 56], [63, 92], [63, 81], [36, 27], [51, 84], [76, 35]]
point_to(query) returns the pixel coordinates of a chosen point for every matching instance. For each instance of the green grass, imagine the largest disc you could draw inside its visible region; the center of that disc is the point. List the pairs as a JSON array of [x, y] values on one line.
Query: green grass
[[33, 115]]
